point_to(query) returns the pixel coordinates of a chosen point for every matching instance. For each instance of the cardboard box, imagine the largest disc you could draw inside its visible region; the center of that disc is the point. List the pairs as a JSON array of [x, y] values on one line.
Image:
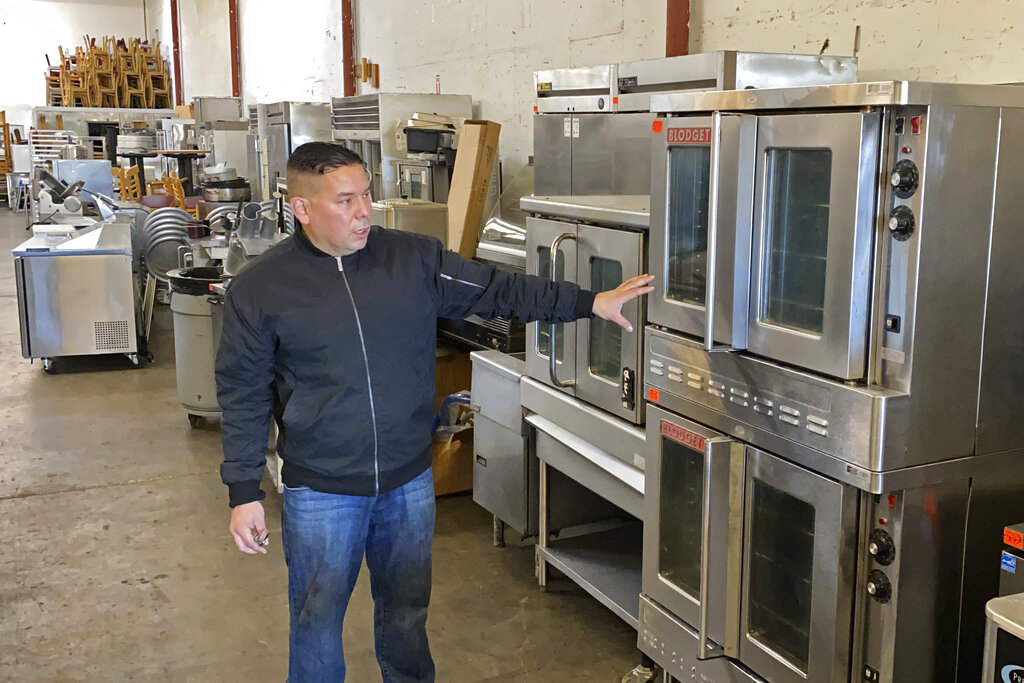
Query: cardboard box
[[453, 372], [474, 163], [183, 111], [452, 462]]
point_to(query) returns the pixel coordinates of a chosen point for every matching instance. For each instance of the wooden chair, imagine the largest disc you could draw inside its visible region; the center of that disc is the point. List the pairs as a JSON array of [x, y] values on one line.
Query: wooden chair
[[131, 186], [177, 190]]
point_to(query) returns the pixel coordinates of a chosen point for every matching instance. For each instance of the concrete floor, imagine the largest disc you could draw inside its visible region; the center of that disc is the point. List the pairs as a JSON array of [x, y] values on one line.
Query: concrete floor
[[118, 564]]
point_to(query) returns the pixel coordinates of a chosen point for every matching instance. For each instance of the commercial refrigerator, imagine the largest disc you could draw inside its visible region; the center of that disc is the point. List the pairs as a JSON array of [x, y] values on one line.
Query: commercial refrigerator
[[76, 295], [373, 127]]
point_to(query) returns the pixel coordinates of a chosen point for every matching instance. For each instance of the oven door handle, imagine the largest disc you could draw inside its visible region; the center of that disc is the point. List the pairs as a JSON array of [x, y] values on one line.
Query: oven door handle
[[552, 356], [712, 246], [723, 472]]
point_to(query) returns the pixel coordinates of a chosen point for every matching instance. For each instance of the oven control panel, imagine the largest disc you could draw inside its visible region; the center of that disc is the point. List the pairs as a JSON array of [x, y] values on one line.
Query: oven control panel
[[879, 568], [825, 415]]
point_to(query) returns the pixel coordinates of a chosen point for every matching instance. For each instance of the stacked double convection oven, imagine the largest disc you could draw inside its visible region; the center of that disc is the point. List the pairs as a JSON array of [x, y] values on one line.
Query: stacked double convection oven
[[834, 379]]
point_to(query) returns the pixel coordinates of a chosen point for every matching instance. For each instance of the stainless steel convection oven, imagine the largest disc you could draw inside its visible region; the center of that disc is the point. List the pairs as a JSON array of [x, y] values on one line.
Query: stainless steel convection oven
[[833, 378]]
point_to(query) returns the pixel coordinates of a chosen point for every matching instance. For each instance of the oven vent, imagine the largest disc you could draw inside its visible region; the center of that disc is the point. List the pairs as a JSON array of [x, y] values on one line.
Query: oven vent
[[111, 334]]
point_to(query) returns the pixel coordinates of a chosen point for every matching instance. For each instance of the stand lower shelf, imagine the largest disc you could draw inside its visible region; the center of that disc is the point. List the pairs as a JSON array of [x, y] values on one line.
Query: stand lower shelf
[[605, 564]]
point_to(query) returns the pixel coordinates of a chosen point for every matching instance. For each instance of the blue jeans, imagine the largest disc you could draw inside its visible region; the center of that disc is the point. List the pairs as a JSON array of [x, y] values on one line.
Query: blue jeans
[[325, 537]]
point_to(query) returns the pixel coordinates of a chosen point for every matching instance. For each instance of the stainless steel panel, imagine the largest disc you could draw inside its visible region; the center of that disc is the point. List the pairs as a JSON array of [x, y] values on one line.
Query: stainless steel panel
[[876, 94], [833, 536], [495, 385], [612, 210], [539, 236], [617, 437], [501, 473], [714, 601], [310, 122], [938, 277], [587, 464], [586, 78], [729, 177], [552, 154], [23, 312], [726, 70], [601, 344], [579, 103], [674, 644], [1001, 401], [909, 634], [864, 424], [278, 150], [838, 347], [763, 70], [611, 155], [79, 304], [95, 173]]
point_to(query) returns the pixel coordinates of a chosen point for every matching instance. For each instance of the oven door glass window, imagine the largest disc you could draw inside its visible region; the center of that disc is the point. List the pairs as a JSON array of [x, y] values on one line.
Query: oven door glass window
[[544, 330], [781, 568], [796, 225], [605, 336], [681, 511], [689, 178]]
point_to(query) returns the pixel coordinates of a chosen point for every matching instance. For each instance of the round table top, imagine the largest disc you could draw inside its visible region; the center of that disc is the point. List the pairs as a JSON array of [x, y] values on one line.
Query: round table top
[[182, 152], [130, 155]]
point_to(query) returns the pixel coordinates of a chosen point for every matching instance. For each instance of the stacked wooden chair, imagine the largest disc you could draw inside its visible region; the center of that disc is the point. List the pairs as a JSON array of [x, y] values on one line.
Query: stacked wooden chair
[[102, 75], [115, 73], [157, 82], [131, 87]]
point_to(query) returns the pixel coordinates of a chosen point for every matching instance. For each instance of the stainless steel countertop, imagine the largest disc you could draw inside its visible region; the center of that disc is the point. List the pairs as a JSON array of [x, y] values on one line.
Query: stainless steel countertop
[[630, 210]]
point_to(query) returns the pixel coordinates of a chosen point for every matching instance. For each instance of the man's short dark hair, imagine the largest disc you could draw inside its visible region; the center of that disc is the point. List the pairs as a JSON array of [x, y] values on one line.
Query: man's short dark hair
[[312, 160], [317, 158]]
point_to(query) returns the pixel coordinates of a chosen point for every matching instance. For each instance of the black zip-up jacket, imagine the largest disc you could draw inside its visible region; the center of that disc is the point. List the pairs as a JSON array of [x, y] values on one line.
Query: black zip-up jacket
[[341, 352]]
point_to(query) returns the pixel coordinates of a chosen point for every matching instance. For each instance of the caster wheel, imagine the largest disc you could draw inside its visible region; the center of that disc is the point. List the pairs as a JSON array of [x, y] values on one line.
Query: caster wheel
[[48, 366], [134, 358], [194, 420]]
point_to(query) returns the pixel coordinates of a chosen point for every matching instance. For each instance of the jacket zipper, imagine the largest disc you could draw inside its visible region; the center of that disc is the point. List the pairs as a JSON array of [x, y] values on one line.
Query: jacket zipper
[[369, 385]]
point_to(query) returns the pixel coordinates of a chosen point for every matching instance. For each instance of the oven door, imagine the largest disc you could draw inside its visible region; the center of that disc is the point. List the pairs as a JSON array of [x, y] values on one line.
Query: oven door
[[815, 192], [798, 572], [607, 356], [693, 519], [540, 234], [701, 205]]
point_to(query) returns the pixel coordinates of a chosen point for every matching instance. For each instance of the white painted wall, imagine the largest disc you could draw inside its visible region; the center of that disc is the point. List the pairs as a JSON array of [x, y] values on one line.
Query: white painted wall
[[490, 48], [205, 47], [946, 40], [31, 29], [290, 55]]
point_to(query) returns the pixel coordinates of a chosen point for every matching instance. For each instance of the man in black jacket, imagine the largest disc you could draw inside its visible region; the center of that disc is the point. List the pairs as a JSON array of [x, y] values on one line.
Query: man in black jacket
[[333, 333]]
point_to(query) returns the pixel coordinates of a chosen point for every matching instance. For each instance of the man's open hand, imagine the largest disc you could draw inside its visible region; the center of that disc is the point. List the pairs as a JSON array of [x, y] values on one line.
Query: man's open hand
[[608, 305]]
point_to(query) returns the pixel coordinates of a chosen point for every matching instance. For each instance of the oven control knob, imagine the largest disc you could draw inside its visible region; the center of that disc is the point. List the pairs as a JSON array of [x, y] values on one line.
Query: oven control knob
[[879, 587], [901, 223], [905, 178], [881, 547]]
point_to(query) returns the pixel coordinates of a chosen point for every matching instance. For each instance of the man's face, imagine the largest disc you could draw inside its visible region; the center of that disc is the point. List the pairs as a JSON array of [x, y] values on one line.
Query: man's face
[[334, 210]]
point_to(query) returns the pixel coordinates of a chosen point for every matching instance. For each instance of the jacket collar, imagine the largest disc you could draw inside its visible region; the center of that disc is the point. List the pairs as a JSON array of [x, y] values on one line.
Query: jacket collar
[[300, 238]]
